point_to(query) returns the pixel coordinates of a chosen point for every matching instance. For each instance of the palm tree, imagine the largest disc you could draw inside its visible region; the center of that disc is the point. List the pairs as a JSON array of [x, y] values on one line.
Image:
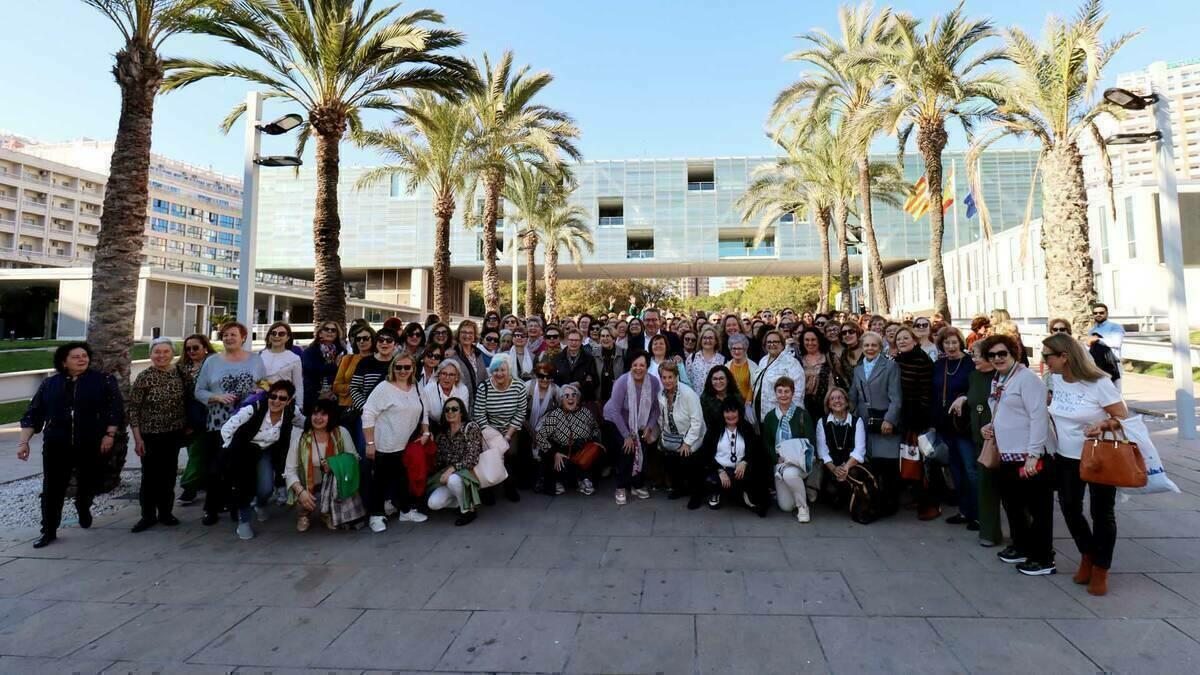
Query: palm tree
[[528, 191], [932, 79], [1052, 100], [511, 129], [138, 69], [841, 85], [562, 226], [428, 147], [335, 59]]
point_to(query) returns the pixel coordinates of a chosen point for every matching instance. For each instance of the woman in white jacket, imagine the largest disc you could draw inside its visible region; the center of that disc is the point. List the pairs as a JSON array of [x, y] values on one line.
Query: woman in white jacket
[[278, 359], [444, 385], [391, 417], [777, 363], [681, 428]]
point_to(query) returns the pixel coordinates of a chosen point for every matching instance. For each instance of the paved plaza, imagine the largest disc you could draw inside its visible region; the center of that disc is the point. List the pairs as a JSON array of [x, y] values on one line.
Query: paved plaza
[[578, 584]]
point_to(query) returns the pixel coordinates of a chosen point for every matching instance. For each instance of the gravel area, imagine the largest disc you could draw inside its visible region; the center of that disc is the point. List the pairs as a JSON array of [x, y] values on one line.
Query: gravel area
[[20, 501]]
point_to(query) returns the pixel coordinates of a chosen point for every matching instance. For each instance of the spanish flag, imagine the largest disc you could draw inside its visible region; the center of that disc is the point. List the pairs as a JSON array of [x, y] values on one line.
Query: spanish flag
[[919, 203]]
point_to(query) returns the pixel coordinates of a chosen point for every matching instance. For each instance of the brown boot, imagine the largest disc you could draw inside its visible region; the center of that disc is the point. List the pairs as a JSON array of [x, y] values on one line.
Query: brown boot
[[928, 513], [1084, 575], [1099, 583]]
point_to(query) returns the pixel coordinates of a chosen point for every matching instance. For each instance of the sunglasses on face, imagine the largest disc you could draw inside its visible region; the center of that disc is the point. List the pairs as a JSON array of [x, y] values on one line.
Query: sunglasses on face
[[435, 357], [997, 355], [518, 335], [279, 397], [543, 376], [1060, 329], [552, 337], [195, 348], [452, 409], [849, 332], [362, 338], [403, 366], [821, 323], [1046, 355], [386, 340], [279, 333], [328, 329], [689, 338], [921, 325], [773, 342], [441, 331], [491, 338]]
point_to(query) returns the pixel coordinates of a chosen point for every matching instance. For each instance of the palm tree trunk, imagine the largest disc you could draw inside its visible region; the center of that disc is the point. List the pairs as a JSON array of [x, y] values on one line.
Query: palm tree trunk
[[931, 140], [550, 308], [840, 217], [879, 298], [1070, 284], [139, 72], [443, 212], [531, 242], [493, 185], [329, 289], [822, 217]]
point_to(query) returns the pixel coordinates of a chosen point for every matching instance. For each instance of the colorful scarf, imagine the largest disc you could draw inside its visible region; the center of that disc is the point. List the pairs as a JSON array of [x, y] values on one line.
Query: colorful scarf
[[637, 402]]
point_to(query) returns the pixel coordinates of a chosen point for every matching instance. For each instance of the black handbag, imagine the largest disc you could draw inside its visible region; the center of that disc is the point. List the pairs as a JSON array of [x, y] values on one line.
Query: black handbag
[[875, 420]]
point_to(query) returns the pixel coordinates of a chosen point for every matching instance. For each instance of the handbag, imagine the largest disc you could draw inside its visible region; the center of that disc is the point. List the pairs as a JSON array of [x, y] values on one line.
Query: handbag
[[670, 439], [1113, 460], [797, 452], [419, 460], [912, 465], [494, 440], [864, 494], [585, 456], [989, 456], [932, 447]]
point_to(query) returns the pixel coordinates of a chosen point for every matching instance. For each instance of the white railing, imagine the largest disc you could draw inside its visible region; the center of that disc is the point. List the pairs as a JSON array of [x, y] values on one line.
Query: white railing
[[640, 254]]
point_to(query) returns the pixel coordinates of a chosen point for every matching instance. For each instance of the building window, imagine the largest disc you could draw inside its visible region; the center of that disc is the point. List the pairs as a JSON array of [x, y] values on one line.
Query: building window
[[611, 211], [701, 177], [1102, 225], [162, 206], [1130, 228]]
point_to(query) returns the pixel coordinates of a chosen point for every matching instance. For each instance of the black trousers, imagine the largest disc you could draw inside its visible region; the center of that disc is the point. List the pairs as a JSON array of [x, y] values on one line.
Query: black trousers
[[160, 463], [216, 482], [623, 461], [389, 476], [1098, 539], [1029, 505], [887, 472], [685, 473], [58, 462], [570, 475]]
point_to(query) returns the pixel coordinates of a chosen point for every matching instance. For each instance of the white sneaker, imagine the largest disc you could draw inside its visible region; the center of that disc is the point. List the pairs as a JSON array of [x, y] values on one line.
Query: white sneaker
[[377, 524], [244, 532], [641, 493], [560, 489], [586, 488], [413, 516], [281, 496], [621, 498], [389, 509], [802, 513], [261, 513]]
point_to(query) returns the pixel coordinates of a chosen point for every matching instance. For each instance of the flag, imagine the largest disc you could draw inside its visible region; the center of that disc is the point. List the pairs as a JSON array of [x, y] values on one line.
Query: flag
[[948, 192], [969, 201], [918, 202]]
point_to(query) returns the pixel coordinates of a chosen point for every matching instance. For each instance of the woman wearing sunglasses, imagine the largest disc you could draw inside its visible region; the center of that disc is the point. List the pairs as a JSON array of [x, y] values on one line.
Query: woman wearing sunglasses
[[281, 363], [320, 364], [562, 432], [196, 348], [431, 357], [414, 338], [393, 416], [453, 481], [521, 355]]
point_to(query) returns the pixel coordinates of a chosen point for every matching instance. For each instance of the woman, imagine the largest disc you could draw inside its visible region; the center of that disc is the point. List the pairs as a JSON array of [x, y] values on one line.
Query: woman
[[1019, 426], [734, 463], [251, 438], [196, 348], [445, 385], [431, 358], [923, 329], [622, 334], [681, 425], [851, 340], [319, 459], [80, 410], [975, 404], [413, 339], [807, 319], [510, 322], [440, 335], [832, 332], [363, 339], [776, 364], [393, 416], [631, 416], [319, 363], [279, 361], [718, 387], [916, 401], [157, 417], [951, 380], [561, 433], [370, 371], [704, 359], [889, 336], [501, 404], [634, 340], [453, 481], [820, 372], [1084, 404], [875, 398], [543, 396], [522, 356], [474, 370], [506, 342], [877, 324], [979, 329], [489, 344], [1010, 329], [1058, 325], [687, 337], [731, 326], [225, 380], [741, 368], [784, 422], [841, 445], [660, 353], [610, 362], [491, 321]]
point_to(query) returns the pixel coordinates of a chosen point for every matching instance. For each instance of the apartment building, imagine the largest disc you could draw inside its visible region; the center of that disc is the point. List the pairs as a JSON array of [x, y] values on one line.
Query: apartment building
[[49, 211]]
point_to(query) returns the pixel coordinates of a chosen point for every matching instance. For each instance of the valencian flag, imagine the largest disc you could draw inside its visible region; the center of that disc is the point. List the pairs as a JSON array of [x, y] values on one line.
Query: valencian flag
[[969, 201], [919, 203]]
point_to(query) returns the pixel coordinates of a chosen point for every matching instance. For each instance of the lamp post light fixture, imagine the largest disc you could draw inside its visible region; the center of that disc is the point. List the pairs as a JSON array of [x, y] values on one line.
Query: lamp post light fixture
[[1134, 139], [280, 126], [1123, 98], [277, 160]]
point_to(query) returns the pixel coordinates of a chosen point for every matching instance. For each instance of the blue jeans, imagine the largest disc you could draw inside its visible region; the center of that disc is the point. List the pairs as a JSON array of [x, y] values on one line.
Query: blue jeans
[[264, 485], [965, 469]]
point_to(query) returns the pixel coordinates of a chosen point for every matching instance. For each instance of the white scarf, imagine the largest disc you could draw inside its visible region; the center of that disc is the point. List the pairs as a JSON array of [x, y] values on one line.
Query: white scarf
[[638, 404]]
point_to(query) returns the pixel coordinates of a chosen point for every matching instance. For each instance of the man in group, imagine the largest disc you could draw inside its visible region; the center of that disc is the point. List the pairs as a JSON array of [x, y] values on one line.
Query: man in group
[[1110, 331], [576, 366], [652, 321]]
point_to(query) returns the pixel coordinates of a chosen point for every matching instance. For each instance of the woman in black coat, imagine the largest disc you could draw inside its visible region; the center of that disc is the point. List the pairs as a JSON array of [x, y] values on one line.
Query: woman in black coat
[[733, 462]]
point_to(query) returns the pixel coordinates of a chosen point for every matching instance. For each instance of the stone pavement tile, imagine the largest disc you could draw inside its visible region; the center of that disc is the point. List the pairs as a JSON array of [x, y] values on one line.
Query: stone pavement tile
[[269, 637], [883, 645], [72, 542], [26, 574], [221, 544], [165, 634], [28, 665], [382, 588], [469, 550], [925, 554], [157, 542], [1160, 502], [1165, 524], [64, 627], [903, 525], [680, 522], [488, 588], [16, 610], [1186, 584], [521, 520], [1132, 645], [740, 553], [632, 643], [633, 519], [824, 554], [590, 590], [1183, 552], [290, 585], [135, 668], [1188, 626], [513, 641], [195, 584], [274, 670], [776, 524], [1011, 646], [389, 639], [732, 644], [907, 594], [385, 549], [1010, 595], [1129, 556], [648, 552], [694, 592], [104, 580], [560, 551], [798, 592], [1131, 596]]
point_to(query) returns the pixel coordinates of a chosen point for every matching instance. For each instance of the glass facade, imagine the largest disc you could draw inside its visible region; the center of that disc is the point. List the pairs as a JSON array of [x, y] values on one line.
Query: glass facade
[[643, 212]]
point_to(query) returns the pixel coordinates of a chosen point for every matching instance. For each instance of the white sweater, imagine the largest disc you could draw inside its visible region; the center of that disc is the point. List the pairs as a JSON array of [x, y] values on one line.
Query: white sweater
[[283, 365], [769, 371], [394, 414], [689, 416]]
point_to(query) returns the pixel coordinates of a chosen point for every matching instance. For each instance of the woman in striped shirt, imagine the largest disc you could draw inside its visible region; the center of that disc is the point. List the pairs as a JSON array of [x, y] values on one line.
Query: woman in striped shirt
[[501, 403]]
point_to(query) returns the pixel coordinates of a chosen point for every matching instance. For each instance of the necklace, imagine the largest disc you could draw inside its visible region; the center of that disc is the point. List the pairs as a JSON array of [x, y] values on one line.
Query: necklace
[[957, 365]]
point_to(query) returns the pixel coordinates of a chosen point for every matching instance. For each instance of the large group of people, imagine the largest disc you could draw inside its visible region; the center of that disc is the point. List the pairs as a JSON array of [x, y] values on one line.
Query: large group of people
[[779, 409]]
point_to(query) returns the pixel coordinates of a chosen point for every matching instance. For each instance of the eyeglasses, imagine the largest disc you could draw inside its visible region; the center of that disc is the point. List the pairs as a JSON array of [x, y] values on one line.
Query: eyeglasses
[[491, 338], [689, 338], [279, 397], [570, 394], [822, 322], [992, 356], [279, 333], [328, 329], [402, 367], [849, 332], [518, 335], [1099, 313], [435, 357], [1060, 329], [921, 324], [1046, 355], [441, 331], [386, 340], [773, 342], [452, 409], [414, 334], [195, 348], [554, 336], [362, 338]]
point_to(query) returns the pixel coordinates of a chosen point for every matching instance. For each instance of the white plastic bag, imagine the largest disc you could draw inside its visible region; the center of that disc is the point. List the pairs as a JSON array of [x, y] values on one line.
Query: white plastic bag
[[1156, 477], [797, 452]]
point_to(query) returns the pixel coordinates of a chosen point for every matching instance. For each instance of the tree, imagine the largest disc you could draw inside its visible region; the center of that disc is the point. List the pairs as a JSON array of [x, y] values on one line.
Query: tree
[[335, 59], [842, 85], [510, 129], [428, 146], [528, 192], [932, 79], [799, 293], [576, 296], [138, 69], [1052, 100], [564, 227]]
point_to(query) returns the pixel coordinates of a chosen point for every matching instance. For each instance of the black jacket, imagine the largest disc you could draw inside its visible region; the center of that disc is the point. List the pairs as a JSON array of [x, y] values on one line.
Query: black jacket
[[583, 372], [759, 467], [76, 412], [245, 434], [639, 343], [1105, 359]]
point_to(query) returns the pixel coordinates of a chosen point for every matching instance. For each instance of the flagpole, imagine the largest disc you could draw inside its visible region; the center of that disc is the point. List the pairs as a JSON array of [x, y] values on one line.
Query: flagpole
[[957, 251]]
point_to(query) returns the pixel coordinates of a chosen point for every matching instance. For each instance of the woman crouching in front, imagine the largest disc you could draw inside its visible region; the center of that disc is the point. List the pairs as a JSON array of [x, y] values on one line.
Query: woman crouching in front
[[453, 482], [321, 471], [736, 463]]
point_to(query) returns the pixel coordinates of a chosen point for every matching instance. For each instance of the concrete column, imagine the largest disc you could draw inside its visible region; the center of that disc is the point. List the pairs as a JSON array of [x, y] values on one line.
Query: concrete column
[[419, 289], [466, 300], [271, 308]]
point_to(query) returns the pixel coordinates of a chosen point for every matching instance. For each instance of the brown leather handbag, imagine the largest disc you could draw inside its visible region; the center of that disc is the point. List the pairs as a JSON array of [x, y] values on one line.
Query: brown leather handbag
[[1113, 461]]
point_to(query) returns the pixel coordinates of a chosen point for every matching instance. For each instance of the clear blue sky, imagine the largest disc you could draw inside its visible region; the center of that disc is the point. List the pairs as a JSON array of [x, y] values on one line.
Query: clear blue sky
[[643, 78]]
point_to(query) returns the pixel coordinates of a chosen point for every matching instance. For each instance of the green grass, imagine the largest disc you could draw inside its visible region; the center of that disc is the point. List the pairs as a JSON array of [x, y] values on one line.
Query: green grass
[[1156, 369], [11, 412], [1194, 337], [12, 362], [29, 344]]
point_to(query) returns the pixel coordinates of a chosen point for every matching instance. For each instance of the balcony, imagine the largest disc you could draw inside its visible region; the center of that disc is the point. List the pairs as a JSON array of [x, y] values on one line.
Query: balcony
[[702, 186], [29, 227], [639, 254], [8, 198], [612, 221], [7, 225], [36, 178], [739, 250]]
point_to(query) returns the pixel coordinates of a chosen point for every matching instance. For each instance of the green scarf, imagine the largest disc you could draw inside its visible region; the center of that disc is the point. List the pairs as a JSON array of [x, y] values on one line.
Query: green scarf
[[470, 481]]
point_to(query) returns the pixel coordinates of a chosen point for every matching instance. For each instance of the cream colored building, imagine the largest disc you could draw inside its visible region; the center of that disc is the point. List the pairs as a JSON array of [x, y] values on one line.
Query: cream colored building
[[49, 211]]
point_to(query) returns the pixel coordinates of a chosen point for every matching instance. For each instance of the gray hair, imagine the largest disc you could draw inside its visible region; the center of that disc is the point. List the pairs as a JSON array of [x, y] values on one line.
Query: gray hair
[[739, 339], [448, 363], [162, 341]]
